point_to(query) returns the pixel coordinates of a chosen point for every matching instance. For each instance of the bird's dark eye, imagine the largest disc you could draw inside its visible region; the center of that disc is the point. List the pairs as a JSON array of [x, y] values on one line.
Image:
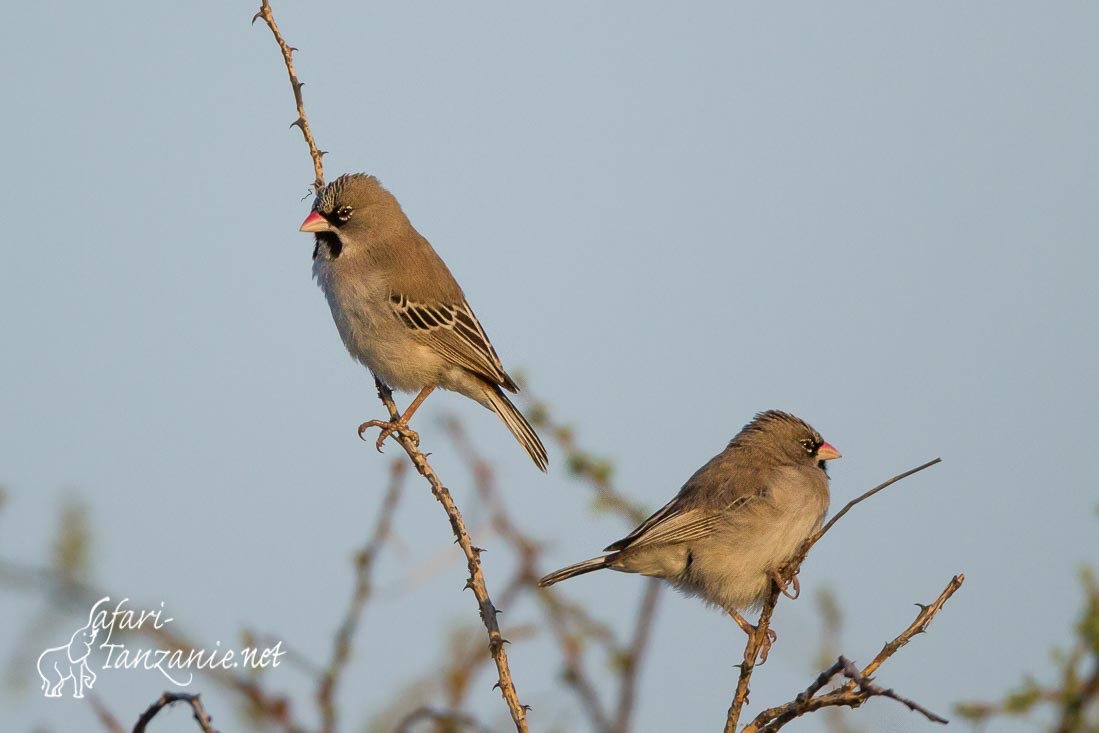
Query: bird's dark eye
[[809, 445], [343, 213]]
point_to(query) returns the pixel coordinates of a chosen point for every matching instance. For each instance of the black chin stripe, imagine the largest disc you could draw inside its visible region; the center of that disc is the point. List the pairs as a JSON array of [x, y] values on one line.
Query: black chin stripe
[[328, 243]]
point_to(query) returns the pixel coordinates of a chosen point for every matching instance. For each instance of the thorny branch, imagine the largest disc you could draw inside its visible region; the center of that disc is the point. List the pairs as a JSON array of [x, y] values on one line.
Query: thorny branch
[[476, 581], [302, 122], [201, 716], [571, 624], [756, 640], [919, 626], [860, 686]]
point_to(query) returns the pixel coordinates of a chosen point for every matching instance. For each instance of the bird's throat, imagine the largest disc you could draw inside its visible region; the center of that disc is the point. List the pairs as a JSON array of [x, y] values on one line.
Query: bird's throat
[[328, 246]]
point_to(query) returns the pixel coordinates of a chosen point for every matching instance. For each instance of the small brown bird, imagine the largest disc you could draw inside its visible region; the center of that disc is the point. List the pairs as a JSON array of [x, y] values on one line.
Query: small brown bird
[[735, 522], [399, 310]]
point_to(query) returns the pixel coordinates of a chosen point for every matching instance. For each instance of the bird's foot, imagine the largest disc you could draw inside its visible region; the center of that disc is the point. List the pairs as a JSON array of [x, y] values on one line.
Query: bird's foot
[[769, 638], [753, 632], [784, 585], [764, 648], [390, 427]]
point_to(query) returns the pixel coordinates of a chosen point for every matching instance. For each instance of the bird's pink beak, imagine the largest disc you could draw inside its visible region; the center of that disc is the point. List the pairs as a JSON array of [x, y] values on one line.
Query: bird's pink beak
[[315, 223], [827, 453]]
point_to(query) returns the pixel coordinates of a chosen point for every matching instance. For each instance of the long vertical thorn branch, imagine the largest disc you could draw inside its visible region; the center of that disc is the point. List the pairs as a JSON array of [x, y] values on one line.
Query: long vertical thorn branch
[[302, 122], [476, 580]]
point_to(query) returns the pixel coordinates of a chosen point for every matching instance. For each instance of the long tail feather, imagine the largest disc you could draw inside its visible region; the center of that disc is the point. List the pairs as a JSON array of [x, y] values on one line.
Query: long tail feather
[[596, 563], [518, 426]]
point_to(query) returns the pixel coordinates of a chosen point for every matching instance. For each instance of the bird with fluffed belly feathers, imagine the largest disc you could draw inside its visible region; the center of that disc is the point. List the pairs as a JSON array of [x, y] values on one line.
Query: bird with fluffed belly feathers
[[737, 521]]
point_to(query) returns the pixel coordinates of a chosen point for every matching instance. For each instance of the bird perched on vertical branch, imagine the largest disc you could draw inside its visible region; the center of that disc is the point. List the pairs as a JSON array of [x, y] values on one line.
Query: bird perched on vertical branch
[[399, 310], [736, 522]]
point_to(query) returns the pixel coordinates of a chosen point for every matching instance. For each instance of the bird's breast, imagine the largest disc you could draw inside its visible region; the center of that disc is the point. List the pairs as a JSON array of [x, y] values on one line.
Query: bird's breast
[[359, 301]]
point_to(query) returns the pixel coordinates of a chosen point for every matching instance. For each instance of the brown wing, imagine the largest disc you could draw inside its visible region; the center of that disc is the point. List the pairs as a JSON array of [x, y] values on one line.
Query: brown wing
[[454, 331], [671, 525], [701, 506]]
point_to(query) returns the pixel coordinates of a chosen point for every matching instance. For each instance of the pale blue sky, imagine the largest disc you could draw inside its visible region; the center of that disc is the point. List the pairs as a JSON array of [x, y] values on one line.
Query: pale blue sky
[[881, 217]]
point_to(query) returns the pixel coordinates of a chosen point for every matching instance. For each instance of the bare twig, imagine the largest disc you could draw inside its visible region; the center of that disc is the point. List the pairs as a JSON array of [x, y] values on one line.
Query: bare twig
[[585, 465], [755, 640], [467, 657], [364, 565], [864, 689], [302, 122], [860, 686], [201, 716], [847, 507], [572, 653], [631, 658], [919, 626], [597, 473], [559, 613], [751, 653], [453, 720], [1074, 704], [476, 580], [831, 618], [529, 573]]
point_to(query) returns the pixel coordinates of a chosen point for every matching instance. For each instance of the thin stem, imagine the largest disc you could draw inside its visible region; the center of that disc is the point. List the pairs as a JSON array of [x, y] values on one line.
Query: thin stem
[[201, 716], [884, 485], [755, 640], [302, 122], [476, 580], [860, 686]]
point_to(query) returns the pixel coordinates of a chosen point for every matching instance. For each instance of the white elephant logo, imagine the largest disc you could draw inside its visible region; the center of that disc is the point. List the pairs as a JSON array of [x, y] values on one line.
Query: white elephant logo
[[69, 662]]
